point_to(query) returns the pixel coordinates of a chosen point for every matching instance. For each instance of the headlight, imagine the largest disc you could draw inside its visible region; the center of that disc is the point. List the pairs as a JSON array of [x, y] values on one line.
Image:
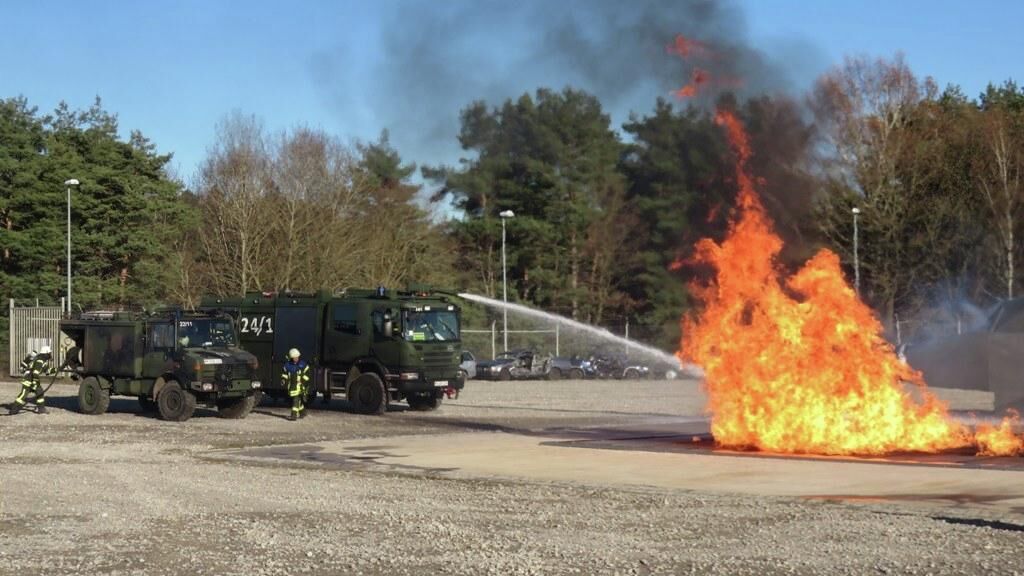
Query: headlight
[[207, 386], [256, 384], [409, 376]]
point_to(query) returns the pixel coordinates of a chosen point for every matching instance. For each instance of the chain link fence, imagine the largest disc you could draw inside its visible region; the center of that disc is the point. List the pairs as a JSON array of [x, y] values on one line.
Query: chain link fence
[[487, 341]]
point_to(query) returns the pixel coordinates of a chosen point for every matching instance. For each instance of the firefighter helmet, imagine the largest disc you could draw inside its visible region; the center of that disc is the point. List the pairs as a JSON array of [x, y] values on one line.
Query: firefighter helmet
[[294, 353]]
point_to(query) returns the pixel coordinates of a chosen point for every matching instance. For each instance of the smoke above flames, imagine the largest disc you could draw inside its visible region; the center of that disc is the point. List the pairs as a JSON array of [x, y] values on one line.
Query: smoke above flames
[[434, 58]]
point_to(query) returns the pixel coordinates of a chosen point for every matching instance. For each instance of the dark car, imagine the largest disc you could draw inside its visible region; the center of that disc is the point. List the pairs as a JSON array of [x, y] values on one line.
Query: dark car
[[572, 367], [611, 364]]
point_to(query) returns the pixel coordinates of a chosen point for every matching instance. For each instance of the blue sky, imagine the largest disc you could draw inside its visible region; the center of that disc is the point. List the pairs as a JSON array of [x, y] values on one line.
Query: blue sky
[[172, 69]]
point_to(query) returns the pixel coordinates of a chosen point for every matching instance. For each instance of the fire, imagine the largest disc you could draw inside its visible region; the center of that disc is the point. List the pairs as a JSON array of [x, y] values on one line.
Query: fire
[[697, 79], [799, 364], [686, 47], [1000, 440], [700, 78]]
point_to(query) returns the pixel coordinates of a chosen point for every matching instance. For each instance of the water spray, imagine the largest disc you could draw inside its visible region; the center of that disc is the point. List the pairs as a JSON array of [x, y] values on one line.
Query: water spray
[[643, 350]]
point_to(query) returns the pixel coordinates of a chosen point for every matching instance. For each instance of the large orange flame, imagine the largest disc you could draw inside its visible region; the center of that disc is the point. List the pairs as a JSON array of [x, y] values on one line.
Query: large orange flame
[[800, 365]]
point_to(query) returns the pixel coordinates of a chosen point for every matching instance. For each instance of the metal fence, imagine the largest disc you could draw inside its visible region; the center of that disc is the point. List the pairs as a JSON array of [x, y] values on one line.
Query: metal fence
[[31, 328], [494, 333]]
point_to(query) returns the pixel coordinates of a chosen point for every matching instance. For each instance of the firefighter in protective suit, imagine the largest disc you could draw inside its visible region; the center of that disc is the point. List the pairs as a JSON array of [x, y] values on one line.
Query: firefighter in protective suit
[[295, 378], [33, 367]]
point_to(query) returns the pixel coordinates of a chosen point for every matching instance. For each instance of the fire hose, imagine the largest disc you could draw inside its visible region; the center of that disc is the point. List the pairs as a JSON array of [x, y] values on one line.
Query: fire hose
[[53, 378]]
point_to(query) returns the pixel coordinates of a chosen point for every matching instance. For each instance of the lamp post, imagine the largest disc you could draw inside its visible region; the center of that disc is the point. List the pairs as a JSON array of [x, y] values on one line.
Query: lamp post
[[856, 257], [505, 215], [69, 184]]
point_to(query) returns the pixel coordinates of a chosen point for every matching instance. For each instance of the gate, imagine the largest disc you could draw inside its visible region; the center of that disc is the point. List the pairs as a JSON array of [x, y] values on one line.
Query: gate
[[32, 327]]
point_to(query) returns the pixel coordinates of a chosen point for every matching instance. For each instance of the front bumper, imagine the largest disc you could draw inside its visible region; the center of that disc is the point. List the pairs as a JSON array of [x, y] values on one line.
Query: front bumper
[[426, 382], [226, 387]]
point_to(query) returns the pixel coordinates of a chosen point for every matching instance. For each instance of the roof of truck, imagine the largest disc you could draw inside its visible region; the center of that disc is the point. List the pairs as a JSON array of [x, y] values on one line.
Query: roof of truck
[[277, 299]]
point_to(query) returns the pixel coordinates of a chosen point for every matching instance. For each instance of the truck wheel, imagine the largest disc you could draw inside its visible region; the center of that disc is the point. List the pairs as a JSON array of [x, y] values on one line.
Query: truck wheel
[[236, 408], [93, 398], [505, 374], [576, 374], [631, 374], [424, 402], [176, 405], [554, 374], [147, 404], [367, 394]]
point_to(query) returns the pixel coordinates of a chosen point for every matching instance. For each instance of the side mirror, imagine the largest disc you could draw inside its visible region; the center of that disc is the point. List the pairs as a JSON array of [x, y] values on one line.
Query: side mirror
[[388, 326]]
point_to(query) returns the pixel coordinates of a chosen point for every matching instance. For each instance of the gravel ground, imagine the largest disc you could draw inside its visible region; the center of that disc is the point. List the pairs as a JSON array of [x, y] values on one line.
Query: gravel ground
[[125, 493]]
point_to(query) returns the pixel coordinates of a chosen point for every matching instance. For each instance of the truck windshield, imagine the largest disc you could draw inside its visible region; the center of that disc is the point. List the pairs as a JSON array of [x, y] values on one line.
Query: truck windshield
[[430, 326], [202, 332]]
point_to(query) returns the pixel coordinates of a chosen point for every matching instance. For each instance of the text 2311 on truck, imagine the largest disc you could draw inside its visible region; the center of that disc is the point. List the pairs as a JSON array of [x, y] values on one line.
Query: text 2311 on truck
[[372, 346], [171, 360]]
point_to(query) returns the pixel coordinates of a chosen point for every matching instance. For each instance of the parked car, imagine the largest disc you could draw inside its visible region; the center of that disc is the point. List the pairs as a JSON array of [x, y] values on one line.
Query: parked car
[[572, 367], [521, 364], [610, 364], [468, 365]]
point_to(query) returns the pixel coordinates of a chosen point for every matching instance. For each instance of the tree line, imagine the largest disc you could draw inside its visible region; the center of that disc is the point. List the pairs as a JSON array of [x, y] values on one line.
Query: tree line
[[605, 215]]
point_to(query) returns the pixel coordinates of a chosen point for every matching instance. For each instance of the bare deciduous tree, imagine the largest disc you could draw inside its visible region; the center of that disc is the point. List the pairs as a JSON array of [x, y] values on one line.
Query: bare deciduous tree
[[998, 175]]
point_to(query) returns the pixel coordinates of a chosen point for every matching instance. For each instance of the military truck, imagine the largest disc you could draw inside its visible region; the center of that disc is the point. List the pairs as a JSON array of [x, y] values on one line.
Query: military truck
[[372, 346], [171, 361]]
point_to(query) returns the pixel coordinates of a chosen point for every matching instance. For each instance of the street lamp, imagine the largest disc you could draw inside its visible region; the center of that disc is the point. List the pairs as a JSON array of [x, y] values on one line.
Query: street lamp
[[505, 215], [69, 184], [856, 257]]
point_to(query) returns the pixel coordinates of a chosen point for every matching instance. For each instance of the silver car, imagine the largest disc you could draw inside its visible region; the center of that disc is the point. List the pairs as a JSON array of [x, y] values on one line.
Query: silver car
[[468, 365]]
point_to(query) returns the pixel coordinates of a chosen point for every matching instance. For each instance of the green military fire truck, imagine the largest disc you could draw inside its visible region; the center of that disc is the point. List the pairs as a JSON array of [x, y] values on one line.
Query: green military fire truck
[[171, 360], [372, 346]]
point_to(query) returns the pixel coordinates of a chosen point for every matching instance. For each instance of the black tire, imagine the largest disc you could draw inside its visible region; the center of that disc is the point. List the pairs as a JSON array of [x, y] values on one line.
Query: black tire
[[631, 374], [424, 402], [73, 357], [236, 408], [93, 398], [367, 395], [148, 405], [576, 374], [505, 375], [555, 374], [176, 404]]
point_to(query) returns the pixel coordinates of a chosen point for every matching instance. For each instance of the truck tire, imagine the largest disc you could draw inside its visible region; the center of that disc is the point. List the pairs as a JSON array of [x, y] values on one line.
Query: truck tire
[[176, 405], [93, 398], [576, 374], [424, 402], [367, 395], [236, 408], [505, 375], [554, 374], [148, 405]]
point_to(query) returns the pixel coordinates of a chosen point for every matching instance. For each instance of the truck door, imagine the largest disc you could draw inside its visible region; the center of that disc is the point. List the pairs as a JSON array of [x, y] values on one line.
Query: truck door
[[343, 337], [387, 347], [159, 348]]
